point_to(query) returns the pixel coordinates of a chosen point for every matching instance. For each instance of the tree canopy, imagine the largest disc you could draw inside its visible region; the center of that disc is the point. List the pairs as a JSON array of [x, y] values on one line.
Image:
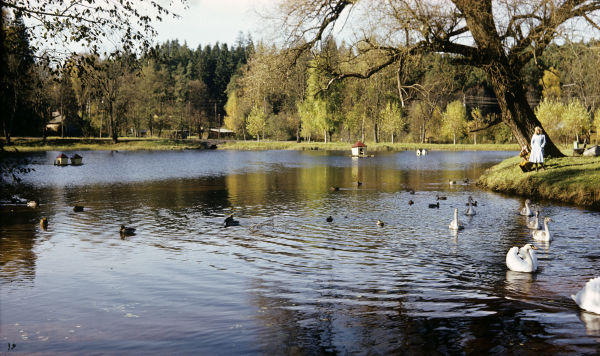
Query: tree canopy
[[500, 37]]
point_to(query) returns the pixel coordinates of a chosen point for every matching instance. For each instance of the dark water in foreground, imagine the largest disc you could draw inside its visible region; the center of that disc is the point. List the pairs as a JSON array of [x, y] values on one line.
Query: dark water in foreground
[[286, 281]]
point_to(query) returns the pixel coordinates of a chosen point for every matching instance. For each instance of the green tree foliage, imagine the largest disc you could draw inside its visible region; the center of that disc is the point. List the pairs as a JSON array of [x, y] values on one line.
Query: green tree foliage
[[550, 83], [597, 123], [256, 122], [550, 113], [236, 117], [392, 120], [454, 120], [577, 119]]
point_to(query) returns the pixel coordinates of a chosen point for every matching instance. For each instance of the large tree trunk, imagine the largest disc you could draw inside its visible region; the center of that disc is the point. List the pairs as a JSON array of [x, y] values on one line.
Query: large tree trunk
[[516, 112]]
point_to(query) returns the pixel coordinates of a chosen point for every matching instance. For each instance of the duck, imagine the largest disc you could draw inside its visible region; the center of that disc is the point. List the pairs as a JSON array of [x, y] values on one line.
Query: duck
[[329, 218], [470, 200], [418, 151], [543, 235], [470, 211], [466, 181], [380, 223], [451, 182], [33, 203], [78, 208], [523, 259], [588, 298], [358, 183], [410, 191], [437, 197], [435, 206], [526, 211], [334, 189], [127, 231], [410, 202], [230, 221], [44, 223], [534, 224], [455, 224]]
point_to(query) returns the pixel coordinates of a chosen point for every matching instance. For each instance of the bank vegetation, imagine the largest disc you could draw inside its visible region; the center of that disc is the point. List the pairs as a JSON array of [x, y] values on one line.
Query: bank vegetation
[[574, 180]]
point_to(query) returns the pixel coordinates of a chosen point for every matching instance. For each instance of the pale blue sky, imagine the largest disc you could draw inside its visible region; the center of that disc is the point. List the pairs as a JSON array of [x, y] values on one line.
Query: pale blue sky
[[208, 21]]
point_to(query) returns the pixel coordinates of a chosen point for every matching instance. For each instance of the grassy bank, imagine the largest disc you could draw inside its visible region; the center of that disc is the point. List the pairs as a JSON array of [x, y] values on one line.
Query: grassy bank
[[568, 179], [372, 147], [127, 143], [88, 144]]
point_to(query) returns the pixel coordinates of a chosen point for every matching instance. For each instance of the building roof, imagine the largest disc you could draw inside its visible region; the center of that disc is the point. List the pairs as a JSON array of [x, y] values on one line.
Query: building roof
[[57, 118], [359, 144], [62, 155], [222, 130]]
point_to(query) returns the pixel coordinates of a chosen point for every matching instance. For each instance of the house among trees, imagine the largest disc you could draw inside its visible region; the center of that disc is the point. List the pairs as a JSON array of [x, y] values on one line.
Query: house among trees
[[56, 123], [221, 133], [60, 125]]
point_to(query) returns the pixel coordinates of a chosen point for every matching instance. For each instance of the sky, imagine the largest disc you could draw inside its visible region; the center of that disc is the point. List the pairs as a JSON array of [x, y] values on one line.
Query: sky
[[208, 21]]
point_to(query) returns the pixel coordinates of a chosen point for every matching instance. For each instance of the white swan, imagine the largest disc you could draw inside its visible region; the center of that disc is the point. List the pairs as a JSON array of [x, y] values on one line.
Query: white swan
[[534, 224], [522, 260], [470, 211], [456, 224], [588, 298], [526, 211], [543, 235]]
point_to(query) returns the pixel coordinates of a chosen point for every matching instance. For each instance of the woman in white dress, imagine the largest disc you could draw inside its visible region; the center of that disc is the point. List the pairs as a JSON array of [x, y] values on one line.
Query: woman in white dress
[[538, 141]]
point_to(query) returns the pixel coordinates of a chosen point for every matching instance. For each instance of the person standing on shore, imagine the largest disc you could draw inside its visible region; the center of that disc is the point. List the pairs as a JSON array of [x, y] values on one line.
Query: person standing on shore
[[538, 141]]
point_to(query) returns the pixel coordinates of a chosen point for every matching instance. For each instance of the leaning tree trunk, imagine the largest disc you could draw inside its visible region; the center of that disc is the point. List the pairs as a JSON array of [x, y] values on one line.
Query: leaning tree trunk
[[516, 112]]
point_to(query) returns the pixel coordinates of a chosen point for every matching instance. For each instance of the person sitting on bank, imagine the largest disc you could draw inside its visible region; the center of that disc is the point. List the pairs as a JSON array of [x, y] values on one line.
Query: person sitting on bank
[[525, 165], [538, 141]]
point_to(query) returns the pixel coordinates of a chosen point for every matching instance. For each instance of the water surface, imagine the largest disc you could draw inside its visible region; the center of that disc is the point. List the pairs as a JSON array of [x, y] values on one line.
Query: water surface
[[286, 281]]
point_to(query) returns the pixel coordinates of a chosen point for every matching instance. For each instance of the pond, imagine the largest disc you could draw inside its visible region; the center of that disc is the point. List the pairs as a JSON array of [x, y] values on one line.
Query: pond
[[287, 281]]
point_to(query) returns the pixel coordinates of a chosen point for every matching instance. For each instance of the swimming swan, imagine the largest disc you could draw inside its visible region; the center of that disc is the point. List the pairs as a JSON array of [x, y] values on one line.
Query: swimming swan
[[543, 235], [588, 298], [470, 211], [523, 259], [456, 224], [526, 211], [534, 224]]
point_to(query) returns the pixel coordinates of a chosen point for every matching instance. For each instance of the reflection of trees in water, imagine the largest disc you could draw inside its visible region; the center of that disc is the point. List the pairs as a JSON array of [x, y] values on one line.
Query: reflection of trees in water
[[18, 238], [331, 324]]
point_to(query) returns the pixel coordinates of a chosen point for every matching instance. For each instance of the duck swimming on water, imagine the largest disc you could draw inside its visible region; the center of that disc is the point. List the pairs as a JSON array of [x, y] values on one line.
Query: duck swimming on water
[[229, 221], [127, 231]]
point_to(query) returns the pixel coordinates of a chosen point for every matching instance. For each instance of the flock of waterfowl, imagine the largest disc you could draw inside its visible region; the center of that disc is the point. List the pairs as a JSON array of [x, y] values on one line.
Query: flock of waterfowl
[[521, 259], [524, 259], [124, 231]]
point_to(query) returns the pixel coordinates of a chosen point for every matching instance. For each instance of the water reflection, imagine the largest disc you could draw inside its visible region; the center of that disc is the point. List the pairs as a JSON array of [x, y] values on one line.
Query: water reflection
[[285, 280]]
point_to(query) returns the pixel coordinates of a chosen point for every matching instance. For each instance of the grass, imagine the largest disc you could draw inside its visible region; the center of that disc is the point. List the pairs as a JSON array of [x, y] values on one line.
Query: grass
[[128, 143], [372, 147], [566, 179], [88, 144]]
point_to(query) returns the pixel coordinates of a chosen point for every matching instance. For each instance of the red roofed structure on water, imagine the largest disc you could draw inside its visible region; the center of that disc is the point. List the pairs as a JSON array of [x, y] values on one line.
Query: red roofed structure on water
[[359, 149]]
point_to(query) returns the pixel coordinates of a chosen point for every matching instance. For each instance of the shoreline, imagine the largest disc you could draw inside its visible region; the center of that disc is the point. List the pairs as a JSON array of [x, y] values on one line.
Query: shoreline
[[572, 180], [21, 144]]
